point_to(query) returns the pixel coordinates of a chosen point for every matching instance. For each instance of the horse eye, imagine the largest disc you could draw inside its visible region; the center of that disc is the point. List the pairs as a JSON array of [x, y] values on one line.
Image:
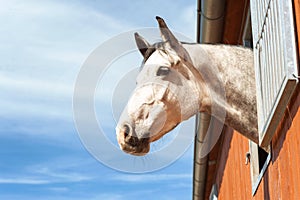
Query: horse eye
[[163, 71]]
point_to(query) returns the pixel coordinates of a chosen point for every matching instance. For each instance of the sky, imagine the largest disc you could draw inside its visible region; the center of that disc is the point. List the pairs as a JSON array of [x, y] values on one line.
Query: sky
[[43, 46]]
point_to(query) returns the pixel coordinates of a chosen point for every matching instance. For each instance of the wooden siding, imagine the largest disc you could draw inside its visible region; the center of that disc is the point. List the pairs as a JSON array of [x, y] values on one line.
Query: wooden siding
[[236, 13], [227, 168], [282, 178]]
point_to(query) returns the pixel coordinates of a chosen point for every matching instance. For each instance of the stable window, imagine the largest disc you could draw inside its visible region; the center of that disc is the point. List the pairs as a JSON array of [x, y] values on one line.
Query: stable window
[[275, 62], [257, 157], [259, 160]]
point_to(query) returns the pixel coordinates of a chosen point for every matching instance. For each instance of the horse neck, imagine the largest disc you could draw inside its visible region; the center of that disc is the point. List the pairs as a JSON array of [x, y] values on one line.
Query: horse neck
[[229, 74]]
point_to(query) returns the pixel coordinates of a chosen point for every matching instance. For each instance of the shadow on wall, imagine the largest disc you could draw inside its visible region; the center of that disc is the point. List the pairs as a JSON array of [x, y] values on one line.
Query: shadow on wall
[[266, 186], [224, 150], [286, 123]]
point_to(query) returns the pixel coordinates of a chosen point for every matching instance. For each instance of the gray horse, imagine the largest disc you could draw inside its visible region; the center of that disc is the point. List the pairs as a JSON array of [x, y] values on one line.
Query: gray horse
[[178, 80]]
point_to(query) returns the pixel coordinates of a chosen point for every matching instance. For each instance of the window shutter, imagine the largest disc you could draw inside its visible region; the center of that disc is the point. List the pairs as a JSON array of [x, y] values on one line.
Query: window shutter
[[275, 62]]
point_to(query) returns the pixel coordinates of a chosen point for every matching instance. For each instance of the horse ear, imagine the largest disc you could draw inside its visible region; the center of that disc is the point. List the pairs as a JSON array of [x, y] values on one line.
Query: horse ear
[[168, 37], [141, 43], [166, 34]]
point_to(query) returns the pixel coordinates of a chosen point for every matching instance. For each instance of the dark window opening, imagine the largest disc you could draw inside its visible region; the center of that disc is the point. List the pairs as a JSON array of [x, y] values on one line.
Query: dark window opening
[[262, 158]]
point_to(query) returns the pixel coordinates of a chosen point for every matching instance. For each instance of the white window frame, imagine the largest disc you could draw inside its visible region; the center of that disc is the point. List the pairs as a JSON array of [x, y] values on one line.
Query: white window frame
[[255, 172], [213, 193], [274, 50], [253, 156]]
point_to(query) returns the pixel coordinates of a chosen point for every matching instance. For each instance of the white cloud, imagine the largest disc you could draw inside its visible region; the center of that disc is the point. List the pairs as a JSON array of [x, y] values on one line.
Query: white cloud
[[46, 177], [55, 176], [32, 86], [151, 177], [43, 51], [64, 170], [43, 44], [34, 97], [108, 196], [24, 180]]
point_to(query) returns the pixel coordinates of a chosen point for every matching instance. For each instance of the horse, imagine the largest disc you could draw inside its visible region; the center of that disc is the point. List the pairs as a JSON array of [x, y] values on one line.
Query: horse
[[177, 80]]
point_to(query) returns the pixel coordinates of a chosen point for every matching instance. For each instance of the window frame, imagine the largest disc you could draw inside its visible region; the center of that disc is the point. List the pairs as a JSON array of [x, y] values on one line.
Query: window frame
[[255, 172], [268, 119], [213, 193], [253, 157]]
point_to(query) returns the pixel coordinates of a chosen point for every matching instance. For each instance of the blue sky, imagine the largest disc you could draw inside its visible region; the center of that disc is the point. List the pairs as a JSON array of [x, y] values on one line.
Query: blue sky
[[43, 46]]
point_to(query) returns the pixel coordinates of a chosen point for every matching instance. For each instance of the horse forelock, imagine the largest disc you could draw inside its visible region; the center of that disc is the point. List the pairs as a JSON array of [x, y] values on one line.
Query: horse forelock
[[156, 46], [162, 46]]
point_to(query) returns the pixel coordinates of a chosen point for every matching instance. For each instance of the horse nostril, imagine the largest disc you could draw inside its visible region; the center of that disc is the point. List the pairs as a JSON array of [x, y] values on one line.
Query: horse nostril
[[133, 141], [126, 130]]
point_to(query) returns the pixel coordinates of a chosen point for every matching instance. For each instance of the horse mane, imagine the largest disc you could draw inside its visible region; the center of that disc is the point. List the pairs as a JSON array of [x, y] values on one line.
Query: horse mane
[[158, 45]]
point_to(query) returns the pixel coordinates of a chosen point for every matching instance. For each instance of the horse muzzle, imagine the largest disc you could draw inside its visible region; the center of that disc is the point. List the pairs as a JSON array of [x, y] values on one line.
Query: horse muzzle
[[130, 143]]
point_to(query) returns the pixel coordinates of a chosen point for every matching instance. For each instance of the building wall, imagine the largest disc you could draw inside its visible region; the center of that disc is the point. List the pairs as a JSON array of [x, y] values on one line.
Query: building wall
[[282, 178]]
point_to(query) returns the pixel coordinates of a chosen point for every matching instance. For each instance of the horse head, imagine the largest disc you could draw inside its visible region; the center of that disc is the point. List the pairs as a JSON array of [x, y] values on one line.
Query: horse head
[[167, 92]]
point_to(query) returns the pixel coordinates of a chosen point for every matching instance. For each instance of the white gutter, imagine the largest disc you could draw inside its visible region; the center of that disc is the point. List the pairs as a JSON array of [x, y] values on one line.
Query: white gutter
[[210, 20]]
